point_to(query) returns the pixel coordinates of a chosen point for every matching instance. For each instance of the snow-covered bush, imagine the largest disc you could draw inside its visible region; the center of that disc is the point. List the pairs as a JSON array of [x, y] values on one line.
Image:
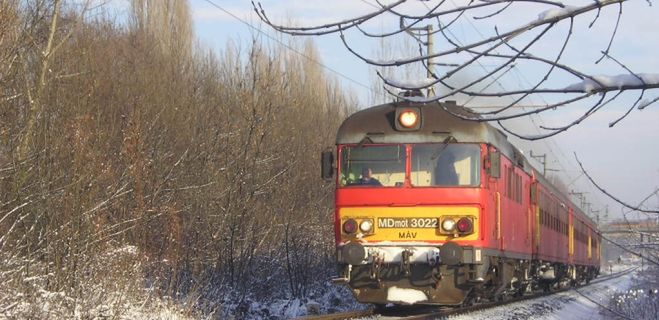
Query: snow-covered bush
[[641, 301], [108, 285]]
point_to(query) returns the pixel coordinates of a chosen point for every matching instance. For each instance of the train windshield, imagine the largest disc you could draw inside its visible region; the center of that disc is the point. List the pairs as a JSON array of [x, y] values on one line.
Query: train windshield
[[432, 165], [441, 164], [373, 166]]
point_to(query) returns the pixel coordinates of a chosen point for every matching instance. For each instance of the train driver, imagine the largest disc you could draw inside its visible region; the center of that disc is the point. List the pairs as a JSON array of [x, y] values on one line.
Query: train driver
[[367, 178], [445, 173]]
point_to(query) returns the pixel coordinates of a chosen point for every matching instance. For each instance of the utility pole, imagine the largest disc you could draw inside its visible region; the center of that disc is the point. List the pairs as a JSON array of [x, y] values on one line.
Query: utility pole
[[596, 213], [587, 209], [542, 158], [606, 212], [417, 33], [581, 197], [429, 43]]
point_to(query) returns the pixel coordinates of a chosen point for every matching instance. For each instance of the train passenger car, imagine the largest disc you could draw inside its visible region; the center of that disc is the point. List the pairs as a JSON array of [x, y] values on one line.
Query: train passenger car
[[433, 209]]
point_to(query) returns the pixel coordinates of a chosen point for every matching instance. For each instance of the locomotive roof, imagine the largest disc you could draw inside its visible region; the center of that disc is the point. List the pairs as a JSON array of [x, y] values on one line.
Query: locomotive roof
[[376, 125]]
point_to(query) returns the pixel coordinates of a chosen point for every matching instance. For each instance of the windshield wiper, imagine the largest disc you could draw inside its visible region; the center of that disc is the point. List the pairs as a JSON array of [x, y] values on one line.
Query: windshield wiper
[[449, 139]]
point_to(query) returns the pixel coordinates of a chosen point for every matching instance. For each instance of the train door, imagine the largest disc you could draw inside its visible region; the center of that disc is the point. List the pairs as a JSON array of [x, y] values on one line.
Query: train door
[[534, 218], [497, 186]]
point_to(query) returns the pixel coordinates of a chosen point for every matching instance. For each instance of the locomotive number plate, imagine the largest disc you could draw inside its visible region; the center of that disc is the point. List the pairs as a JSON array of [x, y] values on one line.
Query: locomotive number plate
[[407, 223]]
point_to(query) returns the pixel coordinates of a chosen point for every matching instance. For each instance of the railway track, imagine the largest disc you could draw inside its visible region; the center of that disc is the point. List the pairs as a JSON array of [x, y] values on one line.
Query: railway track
[[341, 315], [430, 312]]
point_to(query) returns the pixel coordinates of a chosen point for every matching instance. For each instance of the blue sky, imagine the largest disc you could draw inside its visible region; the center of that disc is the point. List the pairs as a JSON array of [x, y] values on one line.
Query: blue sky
[[624, 159]]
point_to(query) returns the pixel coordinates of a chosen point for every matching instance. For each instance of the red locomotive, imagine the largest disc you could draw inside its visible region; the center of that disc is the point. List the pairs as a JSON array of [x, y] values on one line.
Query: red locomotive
[[433, 209]]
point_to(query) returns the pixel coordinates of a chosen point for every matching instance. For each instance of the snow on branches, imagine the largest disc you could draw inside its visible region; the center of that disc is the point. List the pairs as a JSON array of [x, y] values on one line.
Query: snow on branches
[[535, 36]]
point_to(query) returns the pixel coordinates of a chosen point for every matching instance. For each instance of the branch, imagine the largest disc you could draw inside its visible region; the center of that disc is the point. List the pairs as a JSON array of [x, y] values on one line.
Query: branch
[[515, 43], [608, 194]]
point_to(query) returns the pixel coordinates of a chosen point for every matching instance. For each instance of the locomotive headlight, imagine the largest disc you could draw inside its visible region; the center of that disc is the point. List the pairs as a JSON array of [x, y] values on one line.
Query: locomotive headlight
[[408, 118], [448, 224], [366, 226]]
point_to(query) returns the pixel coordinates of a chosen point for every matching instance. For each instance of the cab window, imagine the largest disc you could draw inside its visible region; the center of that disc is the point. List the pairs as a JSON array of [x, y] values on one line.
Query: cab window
[[372, 166], [444, 164]]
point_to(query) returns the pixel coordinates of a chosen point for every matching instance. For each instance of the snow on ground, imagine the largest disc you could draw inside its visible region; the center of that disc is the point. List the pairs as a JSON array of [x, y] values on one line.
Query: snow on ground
[[565, 305], [109, 286], [324, 298], [619, 294], [573, 304]]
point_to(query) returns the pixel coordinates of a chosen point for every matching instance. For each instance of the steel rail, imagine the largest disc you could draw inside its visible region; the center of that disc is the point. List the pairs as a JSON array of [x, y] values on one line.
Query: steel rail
[[404, 311], [486, 305]]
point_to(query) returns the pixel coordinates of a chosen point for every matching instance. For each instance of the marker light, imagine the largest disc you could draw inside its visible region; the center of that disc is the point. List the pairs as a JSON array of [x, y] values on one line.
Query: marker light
[[408, 118], [448, 225], [464, 225], [350, 226], [366, 226]]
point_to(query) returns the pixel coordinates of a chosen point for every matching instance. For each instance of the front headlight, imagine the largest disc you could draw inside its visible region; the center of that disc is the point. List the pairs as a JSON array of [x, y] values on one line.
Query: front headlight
[[448, 225], [366, 226]]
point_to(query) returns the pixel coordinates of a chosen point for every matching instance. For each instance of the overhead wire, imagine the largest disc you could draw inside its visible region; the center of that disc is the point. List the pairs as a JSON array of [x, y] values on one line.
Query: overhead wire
[[516, 70], [257, 29], [521, 75]]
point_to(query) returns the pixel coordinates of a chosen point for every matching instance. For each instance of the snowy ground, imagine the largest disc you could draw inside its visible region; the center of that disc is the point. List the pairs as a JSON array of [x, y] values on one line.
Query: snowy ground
[[582, 303], [109, 287], [573, 304], [130, 300]]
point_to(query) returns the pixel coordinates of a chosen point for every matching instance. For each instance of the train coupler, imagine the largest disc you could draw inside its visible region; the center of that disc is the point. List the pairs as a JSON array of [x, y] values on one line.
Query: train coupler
[[376, 267], [405, 262], [436, 276]]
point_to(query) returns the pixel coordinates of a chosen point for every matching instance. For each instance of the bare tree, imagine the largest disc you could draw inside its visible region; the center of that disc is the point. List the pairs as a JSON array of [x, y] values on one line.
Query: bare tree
[[168, 22], [516, 45], [186, 165]]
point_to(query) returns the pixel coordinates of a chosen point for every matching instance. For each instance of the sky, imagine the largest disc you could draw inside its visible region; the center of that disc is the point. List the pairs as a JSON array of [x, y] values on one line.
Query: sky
[[623, 159]]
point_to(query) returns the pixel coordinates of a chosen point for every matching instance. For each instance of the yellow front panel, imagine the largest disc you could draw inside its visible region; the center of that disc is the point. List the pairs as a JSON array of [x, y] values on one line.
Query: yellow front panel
[[407, 223], [590, 249]]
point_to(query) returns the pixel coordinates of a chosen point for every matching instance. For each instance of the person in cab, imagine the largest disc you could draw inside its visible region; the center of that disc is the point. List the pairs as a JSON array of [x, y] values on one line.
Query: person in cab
[[367, 178]]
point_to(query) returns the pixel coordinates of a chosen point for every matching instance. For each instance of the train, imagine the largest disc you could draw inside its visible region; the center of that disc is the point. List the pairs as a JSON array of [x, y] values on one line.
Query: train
[[432, 207]]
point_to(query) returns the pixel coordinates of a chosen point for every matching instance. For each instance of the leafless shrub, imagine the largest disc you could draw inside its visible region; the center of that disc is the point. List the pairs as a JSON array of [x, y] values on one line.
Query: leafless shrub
[[641, 301], [199, 162]]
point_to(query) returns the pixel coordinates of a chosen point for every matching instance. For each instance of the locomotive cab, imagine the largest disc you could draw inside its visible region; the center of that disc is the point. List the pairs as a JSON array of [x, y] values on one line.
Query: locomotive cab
[[409, 200]]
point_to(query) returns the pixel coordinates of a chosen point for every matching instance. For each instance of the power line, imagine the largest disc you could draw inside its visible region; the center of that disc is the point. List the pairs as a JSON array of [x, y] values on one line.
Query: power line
[[531, 98], [257, 29]]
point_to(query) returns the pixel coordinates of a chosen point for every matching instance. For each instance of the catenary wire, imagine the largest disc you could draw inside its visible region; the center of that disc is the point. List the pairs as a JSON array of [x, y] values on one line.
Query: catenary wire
[[257, 29]]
